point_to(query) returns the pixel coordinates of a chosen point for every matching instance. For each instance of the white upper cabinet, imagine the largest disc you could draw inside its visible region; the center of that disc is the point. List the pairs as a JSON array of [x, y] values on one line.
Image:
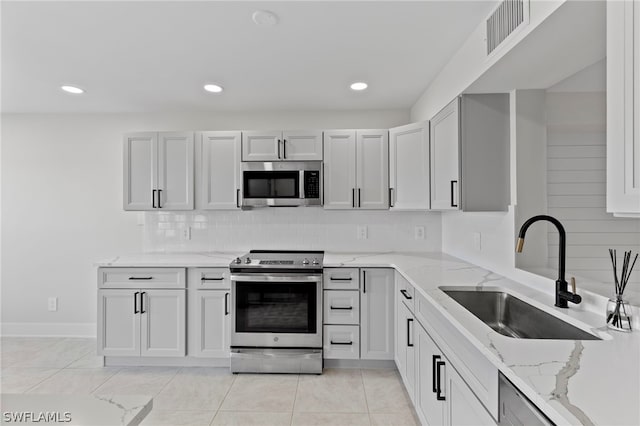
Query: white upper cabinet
[[282, 146], [445, 165], [623, 107], [356, 174], [409, 167], [158, 171], [218, 173]]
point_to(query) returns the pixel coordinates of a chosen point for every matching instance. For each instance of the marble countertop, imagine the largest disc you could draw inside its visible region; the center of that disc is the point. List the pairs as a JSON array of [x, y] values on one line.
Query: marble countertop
[[572, 382], [126, 410]]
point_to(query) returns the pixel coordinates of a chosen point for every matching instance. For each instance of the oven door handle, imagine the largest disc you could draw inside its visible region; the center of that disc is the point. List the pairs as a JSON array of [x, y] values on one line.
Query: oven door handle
[[277, 277]]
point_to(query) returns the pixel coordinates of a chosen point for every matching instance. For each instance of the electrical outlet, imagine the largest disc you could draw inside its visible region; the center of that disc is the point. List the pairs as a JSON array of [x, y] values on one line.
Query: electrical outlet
[[418, 232], [362, 232], [186, 233], [52, 304], [477, 241]]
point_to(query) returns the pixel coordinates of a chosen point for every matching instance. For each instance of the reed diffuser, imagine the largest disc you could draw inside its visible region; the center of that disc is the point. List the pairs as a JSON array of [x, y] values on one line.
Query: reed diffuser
[[618, 310]]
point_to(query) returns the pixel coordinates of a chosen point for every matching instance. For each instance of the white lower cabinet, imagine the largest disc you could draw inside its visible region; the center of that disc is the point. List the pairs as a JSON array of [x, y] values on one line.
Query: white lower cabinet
[[209, 312], [141, 322], [376, 313], [405, 348]]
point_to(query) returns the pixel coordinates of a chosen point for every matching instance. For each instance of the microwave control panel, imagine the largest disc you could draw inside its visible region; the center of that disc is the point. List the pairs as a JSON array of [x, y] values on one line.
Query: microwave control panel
[[311, 184]]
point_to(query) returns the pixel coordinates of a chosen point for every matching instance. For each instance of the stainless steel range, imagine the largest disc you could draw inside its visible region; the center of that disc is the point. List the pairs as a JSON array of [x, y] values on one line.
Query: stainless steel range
[[277, 312]]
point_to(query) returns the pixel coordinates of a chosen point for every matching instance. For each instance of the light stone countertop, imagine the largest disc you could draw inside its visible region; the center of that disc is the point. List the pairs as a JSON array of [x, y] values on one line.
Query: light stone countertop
[[572, 382], [111, 410]]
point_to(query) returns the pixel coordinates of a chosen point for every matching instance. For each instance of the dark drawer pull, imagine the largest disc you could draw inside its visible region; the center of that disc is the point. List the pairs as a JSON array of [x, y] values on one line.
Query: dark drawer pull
[[211, 279], [341, 308], [340, 279], [140, 278], [405, 294], [342, 343]]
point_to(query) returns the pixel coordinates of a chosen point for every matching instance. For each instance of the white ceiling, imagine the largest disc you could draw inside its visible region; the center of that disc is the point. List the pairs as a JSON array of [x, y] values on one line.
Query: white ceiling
[[155, 56]]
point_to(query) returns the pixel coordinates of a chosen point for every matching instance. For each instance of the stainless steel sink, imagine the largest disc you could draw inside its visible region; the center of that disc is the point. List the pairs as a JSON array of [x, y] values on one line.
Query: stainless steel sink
[[513, 317]]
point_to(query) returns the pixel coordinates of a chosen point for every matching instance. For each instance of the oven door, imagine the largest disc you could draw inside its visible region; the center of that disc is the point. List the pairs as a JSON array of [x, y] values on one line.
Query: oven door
[[279, 310]]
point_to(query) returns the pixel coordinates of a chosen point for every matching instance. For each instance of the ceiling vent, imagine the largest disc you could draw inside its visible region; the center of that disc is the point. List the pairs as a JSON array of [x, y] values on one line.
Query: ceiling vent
[[505, 19]]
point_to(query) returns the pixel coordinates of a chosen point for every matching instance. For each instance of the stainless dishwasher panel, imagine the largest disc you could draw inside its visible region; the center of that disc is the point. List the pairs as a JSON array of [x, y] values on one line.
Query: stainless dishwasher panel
[[516, 409]]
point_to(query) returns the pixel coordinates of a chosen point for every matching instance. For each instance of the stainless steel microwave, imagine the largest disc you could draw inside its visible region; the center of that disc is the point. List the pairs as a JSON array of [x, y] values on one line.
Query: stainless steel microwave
[[281, 184]]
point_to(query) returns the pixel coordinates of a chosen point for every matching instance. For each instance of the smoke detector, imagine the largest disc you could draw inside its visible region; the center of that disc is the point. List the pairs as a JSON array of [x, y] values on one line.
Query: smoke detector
[[264, 18]]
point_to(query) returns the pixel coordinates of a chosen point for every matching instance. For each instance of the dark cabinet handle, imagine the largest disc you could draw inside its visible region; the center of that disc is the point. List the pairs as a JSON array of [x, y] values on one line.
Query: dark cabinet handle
[[359, 204], [434, 376], [159, 202], [153, 198], [278, 149], [405, 294], [353, 198], [142, 311], [409, 343], [341, 308], [439, 396], [453, 204], [364, 282], [284, 148], [226, 303], [237, 198], [135, 302], [211, 279], [140, 278], [390, 197], [339, 279], [342, 343]]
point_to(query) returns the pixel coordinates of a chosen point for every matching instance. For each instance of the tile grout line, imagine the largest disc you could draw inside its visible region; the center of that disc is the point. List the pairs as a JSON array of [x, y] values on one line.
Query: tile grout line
[[295, 398], [234, 376], [366, 400]]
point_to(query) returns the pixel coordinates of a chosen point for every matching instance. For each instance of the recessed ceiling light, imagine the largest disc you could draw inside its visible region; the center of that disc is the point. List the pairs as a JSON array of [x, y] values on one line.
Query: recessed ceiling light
[[213, 88], [72, 89], [359, 85], [264, 18]]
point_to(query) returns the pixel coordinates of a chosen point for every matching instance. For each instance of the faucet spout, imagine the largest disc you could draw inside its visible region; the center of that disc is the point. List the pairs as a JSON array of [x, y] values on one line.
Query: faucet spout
[[562, 295]]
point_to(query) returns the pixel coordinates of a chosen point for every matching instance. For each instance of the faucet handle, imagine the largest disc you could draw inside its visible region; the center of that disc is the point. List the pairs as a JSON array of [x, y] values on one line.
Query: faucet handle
[[573, 285]]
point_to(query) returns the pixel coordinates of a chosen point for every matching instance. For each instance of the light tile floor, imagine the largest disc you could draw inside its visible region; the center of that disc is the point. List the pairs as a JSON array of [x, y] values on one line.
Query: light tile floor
[[208, 396]]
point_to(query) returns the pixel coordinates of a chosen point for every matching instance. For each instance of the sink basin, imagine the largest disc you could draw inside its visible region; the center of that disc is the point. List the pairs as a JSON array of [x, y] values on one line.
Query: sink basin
[[513, 317]]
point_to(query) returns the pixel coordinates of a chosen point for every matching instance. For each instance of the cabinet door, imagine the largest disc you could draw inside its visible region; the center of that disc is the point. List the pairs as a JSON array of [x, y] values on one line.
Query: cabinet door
[[140, 170], [175, 171], [118, 323], [428, 407], [212, 326], [409, 167], [376, 319], [445, 159], [462, 406], [372, 167], [262, 146], [339, 169], [302, 145], [405, 339], [218, 170], [163, 323]]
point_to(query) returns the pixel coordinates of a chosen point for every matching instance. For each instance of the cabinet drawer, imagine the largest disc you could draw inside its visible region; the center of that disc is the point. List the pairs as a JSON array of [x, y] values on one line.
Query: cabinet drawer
[[406, 291], [341, 342], [141, 278], [209, 279], [341, 279], [341, 307]]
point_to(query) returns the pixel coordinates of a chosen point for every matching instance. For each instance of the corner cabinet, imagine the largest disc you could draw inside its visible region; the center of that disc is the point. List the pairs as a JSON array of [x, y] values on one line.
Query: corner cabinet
[[445, 158], [159, 171], [141, 312], [623, 108], [356, 169], [302, 145], [218, 174], [409, 167]]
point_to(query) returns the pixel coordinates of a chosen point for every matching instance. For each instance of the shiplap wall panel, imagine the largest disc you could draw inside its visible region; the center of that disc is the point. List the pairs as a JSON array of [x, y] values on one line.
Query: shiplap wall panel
[[576, 185]]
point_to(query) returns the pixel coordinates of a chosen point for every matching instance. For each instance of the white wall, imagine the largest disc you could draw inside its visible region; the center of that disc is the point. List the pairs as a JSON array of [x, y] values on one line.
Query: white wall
[[62, 202]]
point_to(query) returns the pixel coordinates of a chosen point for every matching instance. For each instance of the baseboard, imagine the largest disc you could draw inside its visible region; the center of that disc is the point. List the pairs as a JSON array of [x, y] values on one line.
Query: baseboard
[[359, 363], [47, 329], [150, 361]]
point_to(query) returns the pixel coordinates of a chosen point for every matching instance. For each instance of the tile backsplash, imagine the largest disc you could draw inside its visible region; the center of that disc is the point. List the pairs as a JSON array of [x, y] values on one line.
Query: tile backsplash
[[291, 228]]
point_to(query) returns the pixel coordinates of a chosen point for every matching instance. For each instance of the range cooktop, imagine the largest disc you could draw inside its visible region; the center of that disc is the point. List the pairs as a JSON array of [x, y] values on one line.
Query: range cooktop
[[280, 259]]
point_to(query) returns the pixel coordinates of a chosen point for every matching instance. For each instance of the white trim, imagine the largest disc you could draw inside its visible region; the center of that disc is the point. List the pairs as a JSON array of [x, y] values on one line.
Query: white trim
[[46, 329]]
